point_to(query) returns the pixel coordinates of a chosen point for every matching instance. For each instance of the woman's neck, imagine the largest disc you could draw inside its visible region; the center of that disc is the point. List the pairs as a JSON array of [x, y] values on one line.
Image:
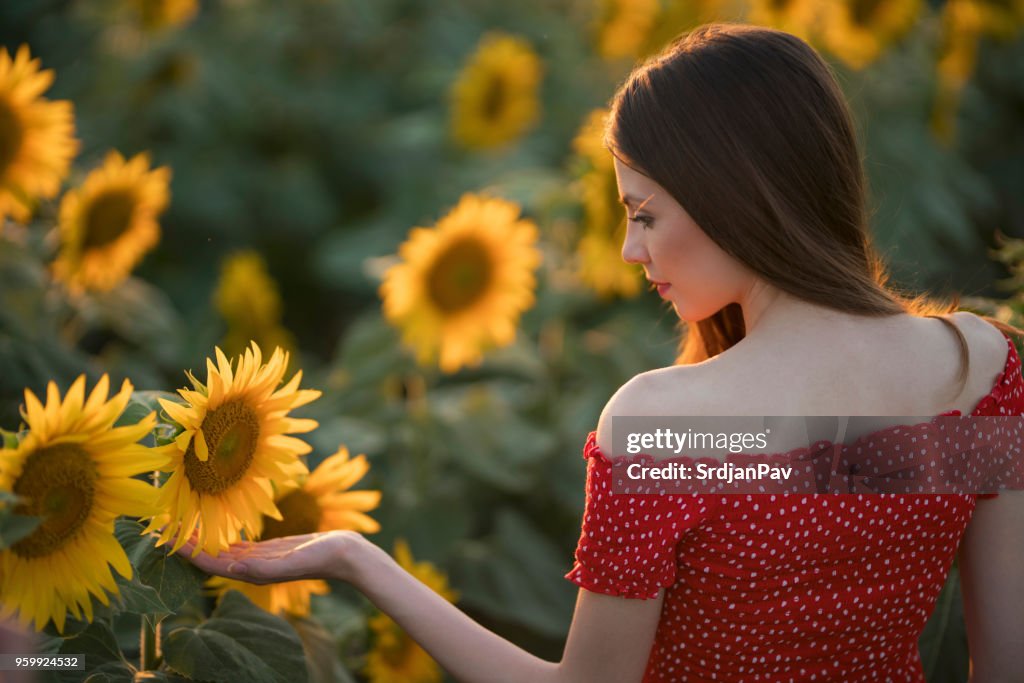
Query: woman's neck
[[772, 317]]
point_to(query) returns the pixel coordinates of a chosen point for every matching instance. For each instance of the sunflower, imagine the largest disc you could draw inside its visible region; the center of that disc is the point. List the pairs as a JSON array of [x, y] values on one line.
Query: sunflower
[[675, 16], [962, 27], [793, 16], [600, 264], [395, 657], [160, 14], [857, 31], [494, 100], [248, 300], [600, 248], [623, 26], [462, 285], [964, 23], [74, 470], [233, 451], [110, 222], [37, 140], [246, 295], [602, 269], [1000, 19], [322, 503], [589, 141]]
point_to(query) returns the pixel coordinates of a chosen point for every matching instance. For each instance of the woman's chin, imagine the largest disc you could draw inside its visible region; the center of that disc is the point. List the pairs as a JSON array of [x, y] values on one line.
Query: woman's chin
[[684, 313]]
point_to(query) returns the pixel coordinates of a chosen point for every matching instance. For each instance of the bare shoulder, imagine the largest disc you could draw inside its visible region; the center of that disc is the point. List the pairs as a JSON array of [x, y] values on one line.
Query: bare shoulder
[[987, 344], [935, 370], [989, 338], [674, 390]]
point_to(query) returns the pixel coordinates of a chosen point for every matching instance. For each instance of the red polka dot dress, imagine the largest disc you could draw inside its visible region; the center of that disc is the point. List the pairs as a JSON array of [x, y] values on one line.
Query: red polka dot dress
[[785, 587]]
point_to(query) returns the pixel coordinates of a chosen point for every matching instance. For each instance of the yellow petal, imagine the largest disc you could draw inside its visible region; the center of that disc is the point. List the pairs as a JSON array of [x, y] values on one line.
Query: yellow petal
[[202, 452], [177, 412]]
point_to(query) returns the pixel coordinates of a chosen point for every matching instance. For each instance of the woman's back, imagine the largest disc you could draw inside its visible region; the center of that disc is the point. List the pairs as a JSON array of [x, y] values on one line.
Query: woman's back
[[793, 586], [901, 365]]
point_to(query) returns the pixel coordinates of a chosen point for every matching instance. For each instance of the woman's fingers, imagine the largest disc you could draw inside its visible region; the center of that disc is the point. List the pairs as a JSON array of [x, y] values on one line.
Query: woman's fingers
[[278, 559]]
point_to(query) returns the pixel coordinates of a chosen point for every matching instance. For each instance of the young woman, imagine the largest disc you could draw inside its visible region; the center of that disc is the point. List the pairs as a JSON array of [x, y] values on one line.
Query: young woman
[[738, 166]]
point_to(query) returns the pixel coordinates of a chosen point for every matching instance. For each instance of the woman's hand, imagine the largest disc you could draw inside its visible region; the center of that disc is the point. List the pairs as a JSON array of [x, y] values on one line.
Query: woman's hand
[[321, 555]]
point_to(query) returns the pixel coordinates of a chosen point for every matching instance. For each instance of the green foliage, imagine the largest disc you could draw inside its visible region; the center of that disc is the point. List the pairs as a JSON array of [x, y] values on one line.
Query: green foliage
[[33, 347], [516, 575], [944, 641], [320, 651], [103, 657], [13, 527], [238, 642], [170, 579]]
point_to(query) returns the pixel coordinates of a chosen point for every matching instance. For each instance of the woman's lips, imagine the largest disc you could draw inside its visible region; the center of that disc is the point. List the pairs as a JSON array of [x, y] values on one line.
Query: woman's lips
[[662, 288]]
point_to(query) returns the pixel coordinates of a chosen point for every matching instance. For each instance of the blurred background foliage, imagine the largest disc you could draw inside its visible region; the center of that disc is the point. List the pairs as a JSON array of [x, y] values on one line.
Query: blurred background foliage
[[305, 139]]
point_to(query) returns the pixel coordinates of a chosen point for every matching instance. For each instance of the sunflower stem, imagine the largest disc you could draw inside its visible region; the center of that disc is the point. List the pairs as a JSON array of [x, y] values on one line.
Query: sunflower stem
[[150, 638], [149, 645]]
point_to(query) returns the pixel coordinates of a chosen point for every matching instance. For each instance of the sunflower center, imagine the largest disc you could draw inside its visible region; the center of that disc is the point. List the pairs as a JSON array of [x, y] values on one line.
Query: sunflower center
[[232, 433], [494, 98], [11, 135], [59, 483], [108, 218], [300, 514], [863, 11], [460, 276]]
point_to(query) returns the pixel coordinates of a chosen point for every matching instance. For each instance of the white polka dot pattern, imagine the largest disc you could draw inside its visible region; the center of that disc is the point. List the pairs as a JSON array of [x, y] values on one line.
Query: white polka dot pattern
[[786, 587]]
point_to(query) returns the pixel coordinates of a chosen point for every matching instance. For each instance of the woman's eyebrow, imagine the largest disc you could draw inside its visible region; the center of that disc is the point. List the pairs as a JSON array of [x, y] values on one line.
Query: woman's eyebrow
[[628, 200]]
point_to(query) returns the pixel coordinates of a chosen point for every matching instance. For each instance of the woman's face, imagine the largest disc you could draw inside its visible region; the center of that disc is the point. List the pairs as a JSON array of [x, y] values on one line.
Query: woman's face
[[689, 269]]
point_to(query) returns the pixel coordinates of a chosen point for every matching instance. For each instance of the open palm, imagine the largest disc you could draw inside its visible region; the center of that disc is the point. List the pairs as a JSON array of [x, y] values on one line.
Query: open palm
[[289, 558]]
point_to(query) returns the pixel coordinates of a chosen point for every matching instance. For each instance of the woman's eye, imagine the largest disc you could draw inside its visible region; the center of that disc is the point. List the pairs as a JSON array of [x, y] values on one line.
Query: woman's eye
[[645, 221]]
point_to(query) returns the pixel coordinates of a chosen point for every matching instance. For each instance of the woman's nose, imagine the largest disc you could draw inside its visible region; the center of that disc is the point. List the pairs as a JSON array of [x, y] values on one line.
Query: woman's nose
[[633, 248]]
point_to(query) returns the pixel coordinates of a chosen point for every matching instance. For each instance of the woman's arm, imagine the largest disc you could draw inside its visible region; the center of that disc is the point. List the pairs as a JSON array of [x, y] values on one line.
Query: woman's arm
[[991, 560], [609, 640]]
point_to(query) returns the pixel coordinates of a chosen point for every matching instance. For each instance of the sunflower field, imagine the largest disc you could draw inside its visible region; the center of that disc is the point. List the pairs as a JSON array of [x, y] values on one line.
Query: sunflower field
[[269, 268]]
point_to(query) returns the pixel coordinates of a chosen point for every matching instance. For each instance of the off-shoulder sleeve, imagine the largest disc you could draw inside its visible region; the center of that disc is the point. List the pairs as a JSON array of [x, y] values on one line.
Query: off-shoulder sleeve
[[1007, 396], [628, 542]]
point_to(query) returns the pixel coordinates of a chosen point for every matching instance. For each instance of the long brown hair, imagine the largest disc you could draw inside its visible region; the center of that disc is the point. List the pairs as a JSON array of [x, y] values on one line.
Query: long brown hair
[[747, 128]]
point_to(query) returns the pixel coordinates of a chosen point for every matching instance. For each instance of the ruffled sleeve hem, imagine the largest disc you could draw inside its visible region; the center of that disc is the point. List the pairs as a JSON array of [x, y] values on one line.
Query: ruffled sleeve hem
[[620, 589]]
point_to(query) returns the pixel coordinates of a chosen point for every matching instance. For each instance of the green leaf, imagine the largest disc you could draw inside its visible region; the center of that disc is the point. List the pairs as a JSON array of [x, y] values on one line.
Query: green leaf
[[508, 458], [369, 352], [151, 399], [517, 575], [142, 403], [321, 650], [174, 579], [102, 655], [14, 527], [8, 439], [344, 621], [111, 672], [138, 313], [138, 598], [240, 642], [133, 413], [340, 257]]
